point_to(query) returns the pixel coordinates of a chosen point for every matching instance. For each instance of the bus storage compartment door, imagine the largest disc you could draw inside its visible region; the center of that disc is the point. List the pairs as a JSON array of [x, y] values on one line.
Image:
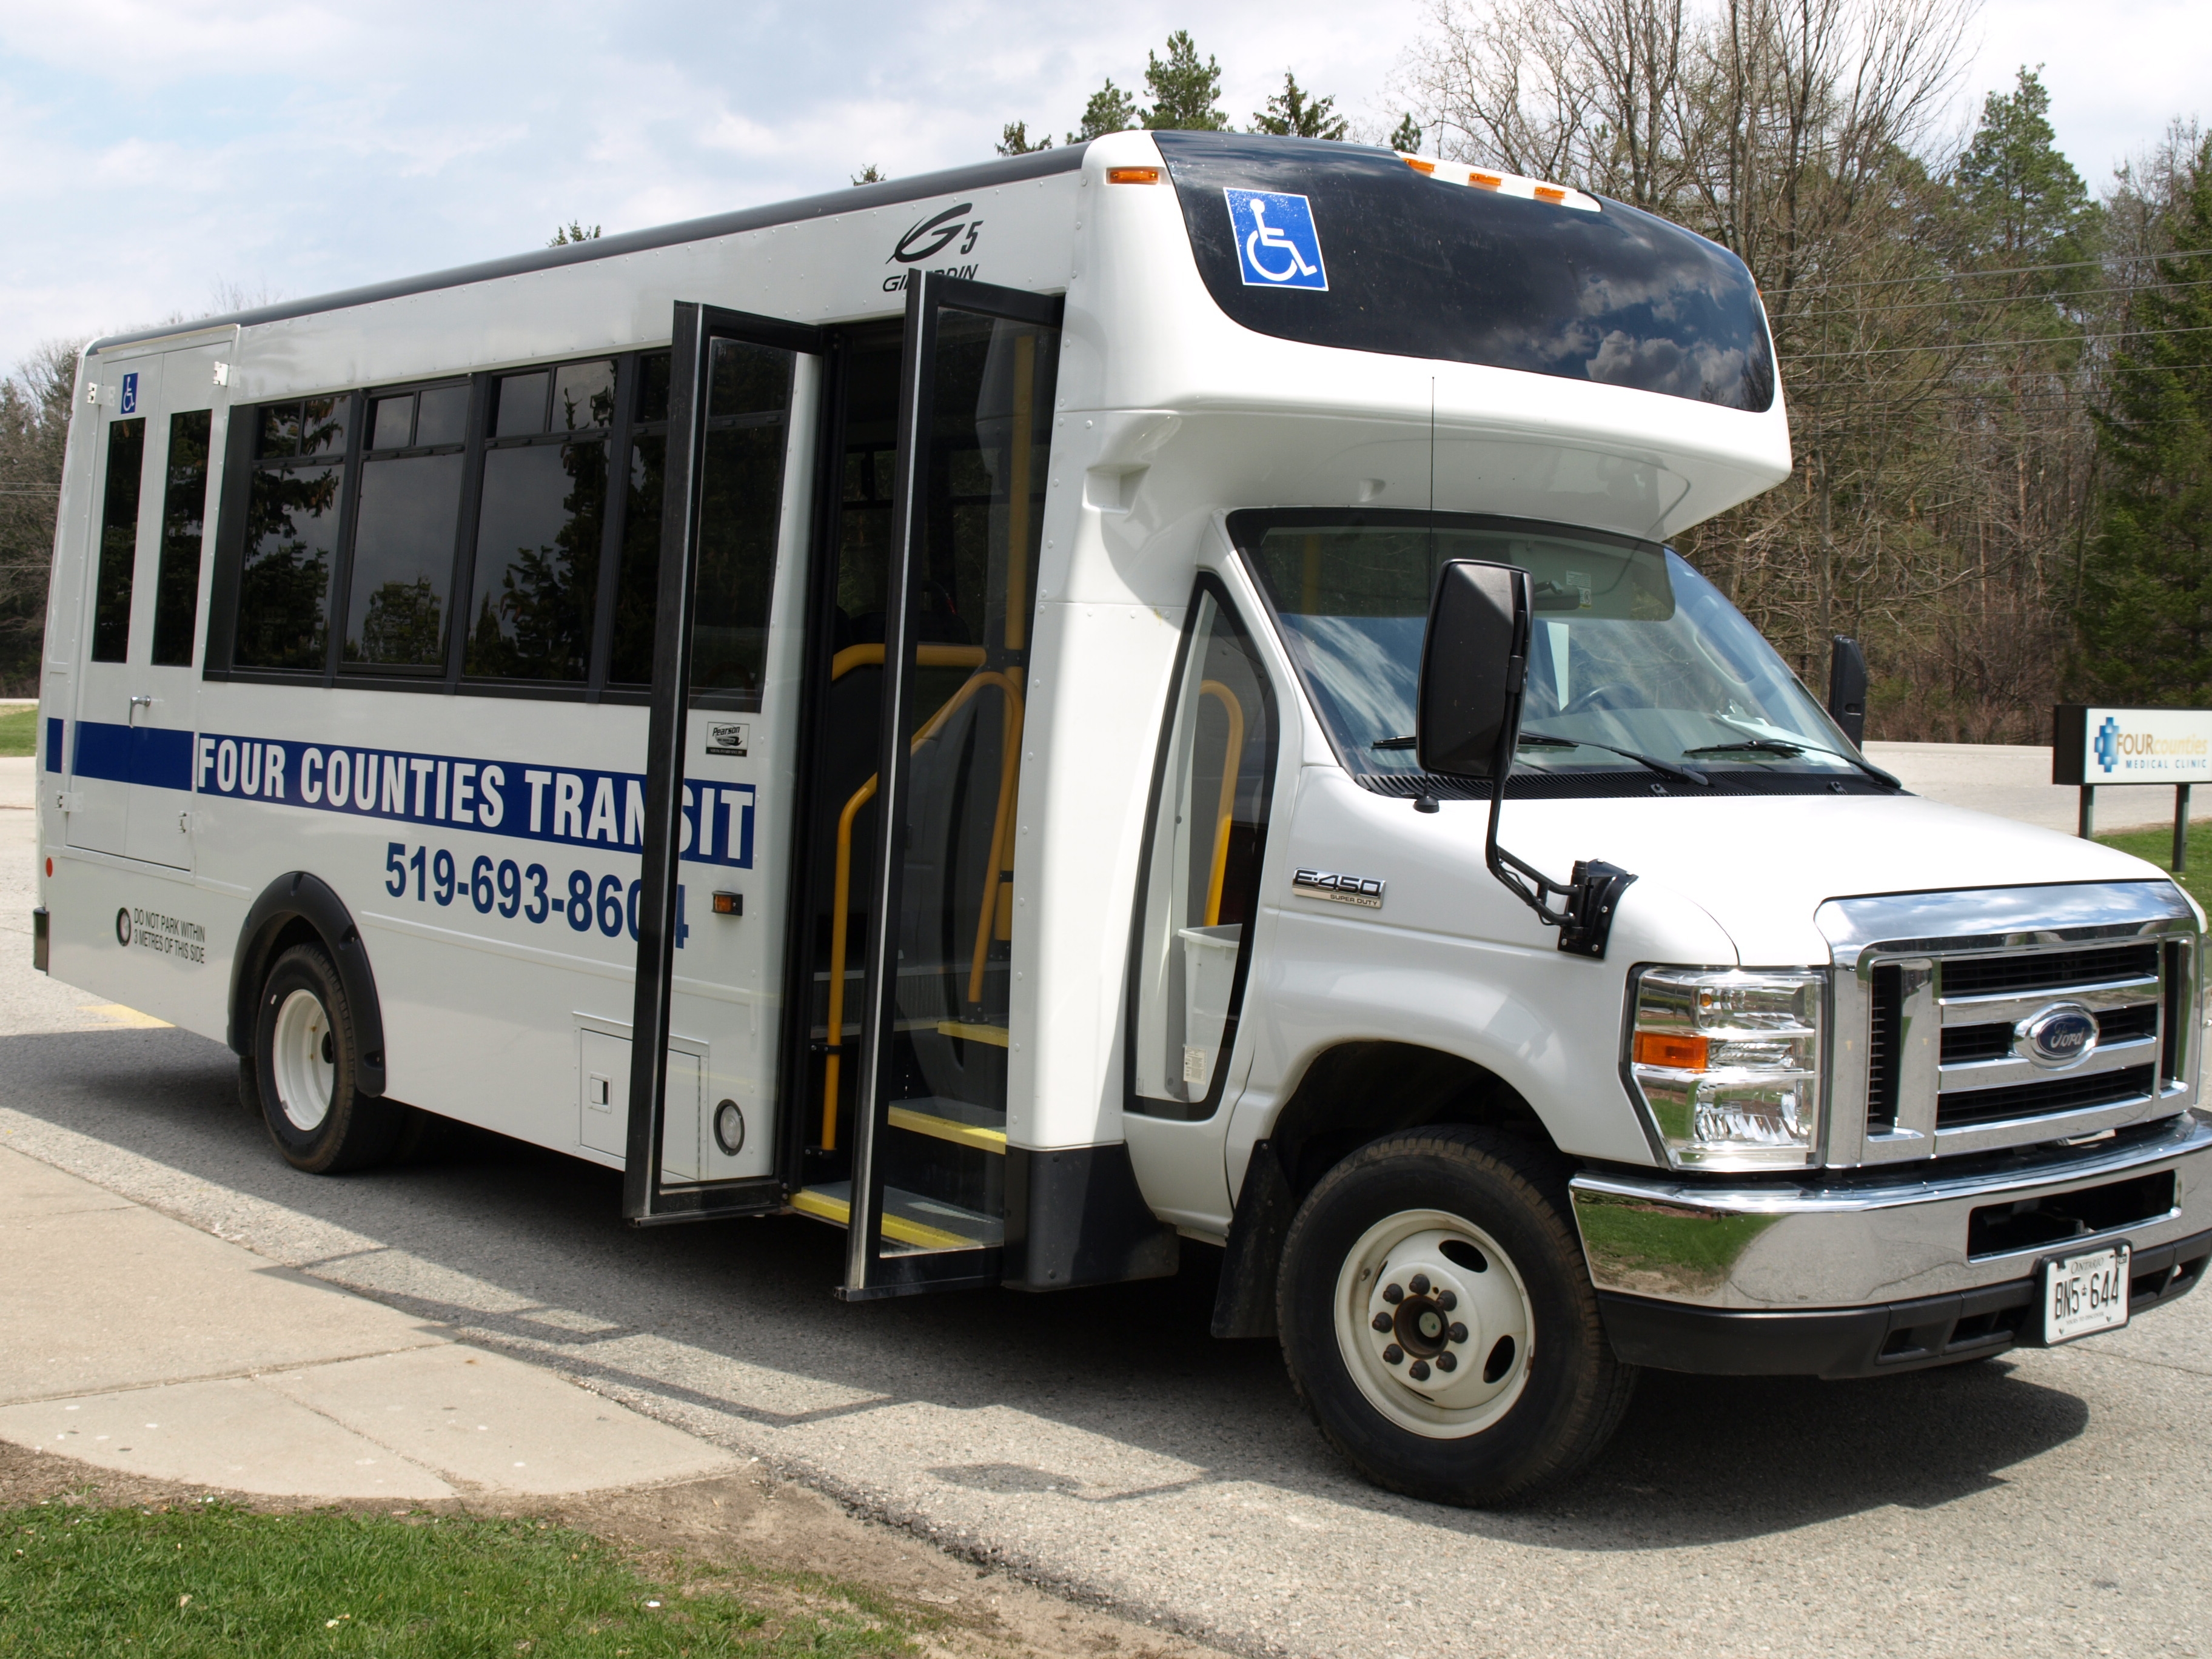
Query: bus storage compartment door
[[602, 1111]]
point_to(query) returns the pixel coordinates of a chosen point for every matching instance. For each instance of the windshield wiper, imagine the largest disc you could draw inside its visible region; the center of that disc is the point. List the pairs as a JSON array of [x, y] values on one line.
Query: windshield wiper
[[1776, 746], [1545, 740], [1688, 775]]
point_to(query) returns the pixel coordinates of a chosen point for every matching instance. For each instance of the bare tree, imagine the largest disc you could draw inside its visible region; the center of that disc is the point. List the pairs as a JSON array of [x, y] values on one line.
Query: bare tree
[[35, 411]]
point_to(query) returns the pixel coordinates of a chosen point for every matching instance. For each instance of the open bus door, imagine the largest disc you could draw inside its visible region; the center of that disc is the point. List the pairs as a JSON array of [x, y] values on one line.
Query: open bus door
[[928, 1101], [741, 492]]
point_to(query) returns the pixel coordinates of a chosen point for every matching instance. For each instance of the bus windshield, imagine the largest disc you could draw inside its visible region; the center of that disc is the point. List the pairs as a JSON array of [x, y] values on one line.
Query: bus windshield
[[1631, 649]]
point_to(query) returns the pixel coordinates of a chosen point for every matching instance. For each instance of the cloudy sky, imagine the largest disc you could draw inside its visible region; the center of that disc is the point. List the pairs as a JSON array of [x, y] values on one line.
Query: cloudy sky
[[162, 154]]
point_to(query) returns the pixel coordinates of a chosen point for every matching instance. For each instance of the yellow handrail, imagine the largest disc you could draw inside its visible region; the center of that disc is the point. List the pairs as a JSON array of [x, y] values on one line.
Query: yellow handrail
[[928, 656], [840, 904], [1233, 763]]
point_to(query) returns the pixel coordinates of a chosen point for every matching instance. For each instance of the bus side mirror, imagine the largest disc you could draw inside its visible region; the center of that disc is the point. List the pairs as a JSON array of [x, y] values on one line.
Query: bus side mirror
[[1468, 711], [1847, 688]]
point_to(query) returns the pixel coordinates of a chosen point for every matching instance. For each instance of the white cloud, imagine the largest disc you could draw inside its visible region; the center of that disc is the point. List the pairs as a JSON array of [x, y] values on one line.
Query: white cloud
[[155, 147]]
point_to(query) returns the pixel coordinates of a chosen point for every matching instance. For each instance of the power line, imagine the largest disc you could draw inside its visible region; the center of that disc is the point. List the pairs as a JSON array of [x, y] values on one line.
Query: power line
[[1996, 345], [1964, 300], [2009, 270]]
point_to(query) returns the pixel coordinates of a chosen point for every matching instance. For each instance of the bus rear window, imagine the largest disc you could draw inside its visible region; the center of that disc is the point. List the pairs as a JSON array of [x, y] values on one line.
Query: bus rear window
[[1420, 268]]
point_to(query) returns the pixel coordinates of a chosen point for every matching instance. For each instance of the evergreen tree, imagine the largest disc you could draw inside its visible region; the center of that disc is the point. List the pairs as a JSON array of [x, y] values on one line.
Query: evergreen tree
[[871, 174], [2025, 204], [1407, 135], [1294, 113], [2145, 619], [1183, 89], [574, 231], [1110, 110], [1015, 140]]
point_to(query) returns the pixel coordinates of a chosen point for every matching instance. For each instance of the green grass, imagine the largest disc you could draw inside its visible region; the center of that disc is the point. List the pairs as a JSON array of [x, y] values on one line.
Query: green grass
[[2157, 846], [19, 732], [218, 1580]]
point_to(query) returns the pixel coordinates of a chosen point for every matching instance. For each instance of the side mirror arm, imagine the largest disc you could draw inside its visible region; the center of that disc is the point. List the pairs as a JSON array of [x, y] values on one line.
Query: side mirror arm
[[1590, 896]]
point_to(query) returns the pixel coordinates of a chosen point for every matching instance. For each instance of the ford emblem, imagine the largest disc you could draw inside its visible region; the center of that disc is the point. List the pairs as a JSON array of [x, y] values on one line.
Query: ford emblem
[[2063, 1035]]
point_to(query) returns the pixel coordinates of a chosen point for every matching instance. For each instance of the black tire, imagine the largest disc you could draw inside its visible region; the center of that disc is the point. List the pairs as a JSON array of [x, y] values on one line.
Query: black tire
[[354, 1130], [1549, 1418]]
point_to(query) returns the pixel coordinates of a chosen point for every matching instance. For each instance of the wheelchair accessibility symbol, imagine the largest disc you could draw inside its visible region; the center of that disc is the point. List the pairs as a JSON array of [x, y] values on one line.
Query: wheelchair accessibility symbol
[[1277, 246]]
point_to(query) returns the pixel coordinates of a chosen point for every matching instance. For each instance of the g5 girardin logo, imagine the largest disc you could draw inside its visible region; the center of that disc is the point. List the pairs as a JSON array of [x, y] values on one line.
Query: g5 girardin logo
[[931, 237]]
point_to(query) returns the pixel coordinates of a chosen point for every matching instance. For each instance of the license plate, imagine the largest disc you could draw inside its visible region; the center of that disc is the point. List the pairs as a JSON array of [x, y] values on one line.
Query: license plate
[[2083, 1294]]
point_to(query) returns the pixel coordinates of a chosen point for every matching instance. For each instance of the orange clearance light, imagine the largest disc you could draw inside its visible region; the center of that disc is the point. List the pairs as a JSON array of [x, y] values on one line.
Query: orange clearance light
[[734, 904], [1682, 1054], [1550, 193], [1484, 180], [1419, 166], [1133, 175]]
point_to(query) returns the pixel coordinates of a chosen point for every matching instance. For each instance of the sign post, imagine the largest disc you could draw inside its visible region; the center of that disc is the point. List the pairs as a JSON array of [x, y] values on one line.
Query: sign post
[[2091, 747]]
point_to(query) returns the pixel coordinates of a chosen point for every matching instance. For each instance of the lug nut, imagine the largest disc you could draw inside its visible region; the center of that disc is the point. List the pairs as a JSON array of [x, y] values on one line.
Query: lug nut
[[1382, 1322], [1418, 1370], [1457, 1333], [1447, 1362], [1391, 1293], [1447, 1300], [1420, 1284], [1393, 1354]]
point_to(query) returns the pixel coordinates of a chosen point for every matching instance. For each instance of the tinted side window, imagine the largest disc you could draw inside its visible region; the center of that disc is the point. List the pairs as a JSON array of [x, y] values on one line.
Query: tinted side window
[[399, 591], [183, 515], [118, 540], [540, 524], [284, 576], [1422, 268], [630, 662]]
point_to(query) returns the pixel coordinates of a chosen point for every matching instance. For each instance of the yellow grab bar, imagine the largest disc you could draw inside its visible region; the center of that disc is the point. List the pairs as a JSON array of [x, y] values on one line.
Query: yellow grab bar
[[928, 656], [841, 904], [1233, 763]]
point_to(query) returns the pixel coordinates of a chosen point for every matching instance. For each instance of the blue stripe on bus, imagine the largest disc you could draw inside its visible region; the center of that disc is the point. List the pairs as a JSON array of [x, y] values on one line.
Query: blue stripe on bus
[[570, 805], [150, 755], [53, 743]]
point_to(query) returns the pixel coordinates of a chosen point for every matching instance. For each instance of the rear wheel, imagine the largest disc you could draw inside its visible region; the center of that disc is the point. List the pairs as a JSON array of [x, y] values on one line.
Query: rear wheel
[[305, 1064], [1439, 1323]]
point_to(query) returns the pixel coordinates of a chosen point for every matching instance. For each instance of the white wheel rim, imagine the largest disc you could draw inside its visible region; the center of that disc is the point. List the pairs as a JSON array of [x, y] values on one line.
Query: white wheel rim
[[1446, 1310], [304, 1080]]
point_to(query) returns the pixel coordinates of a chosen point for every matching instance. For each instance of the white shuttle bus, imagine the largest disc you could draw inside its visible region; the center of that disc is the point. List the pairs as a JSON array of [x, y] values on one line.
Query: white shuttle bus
[[972, 708]]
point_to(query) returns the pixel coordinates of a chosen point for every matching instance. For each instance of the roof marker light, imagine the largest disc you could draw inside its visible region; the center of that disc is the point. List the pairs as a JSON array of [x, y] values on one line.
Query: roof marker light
[[1133, 175], [1503, 183]]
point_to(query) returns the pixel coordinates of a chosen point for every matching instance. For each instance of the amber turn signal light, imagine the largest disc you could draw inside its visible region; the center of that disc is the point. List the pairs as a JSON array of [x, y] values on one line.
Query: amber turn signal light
[[1133, 175], [1680, 1053]]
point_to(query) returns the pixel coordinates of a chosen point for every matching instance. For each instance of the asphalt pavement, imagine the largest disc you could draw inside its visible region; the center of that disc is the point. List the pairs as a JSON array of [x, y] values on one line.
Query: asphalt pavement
[[1100, 1441]]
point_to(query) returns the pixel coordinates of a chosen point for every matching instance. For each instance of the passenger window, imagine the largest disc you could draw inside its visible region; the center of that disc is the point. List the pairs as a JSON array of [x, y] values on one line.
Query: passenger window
[[1201, 880], [183, 515], [118, 540], [630, 662], [404, 531], [540, 525], [291, 541]]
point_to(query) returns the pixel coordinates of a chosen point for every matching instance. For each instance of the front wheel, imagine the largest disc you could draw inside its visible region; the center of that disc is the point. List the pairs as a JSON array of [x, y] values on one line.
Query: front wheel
[[304, 1065], [1439, 1322]]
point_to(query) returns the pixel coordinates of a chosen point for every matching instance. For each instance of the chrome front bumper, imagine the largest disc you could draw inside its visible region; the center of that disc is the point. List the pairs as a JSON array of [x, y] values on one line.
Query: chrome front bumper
[[1773, 1248]]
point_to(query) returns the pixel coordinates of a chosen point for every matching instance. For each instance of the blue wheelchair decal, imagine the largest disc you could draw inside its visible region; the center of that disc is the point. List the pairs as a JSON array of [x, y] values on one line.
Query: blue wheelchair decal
[[1277, 246], [130, 394]]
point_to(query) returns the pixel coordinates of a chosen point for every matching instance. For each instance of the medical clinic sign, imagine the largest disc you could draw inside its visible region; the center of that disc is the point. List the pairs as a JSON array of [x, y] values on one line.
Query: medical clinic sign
[[2092, 746]]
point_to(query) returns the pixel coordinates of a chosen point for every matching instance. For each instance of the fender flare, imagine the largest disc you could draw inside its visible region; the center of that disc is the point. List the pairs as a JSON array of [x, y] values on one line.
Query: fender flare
[[304, 897]]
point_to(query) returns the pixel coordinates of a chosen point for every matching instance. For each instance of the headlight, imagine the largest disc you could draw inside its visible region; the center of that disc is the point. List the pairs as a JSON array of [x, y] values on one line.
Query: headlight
[[1727, 1065]]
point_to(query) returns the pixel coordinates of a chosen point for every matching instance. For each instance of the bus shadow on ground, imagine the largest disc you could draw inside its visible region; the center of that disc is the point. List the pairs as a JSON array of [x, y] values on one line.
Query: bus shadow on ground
[[1698, 1460]]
